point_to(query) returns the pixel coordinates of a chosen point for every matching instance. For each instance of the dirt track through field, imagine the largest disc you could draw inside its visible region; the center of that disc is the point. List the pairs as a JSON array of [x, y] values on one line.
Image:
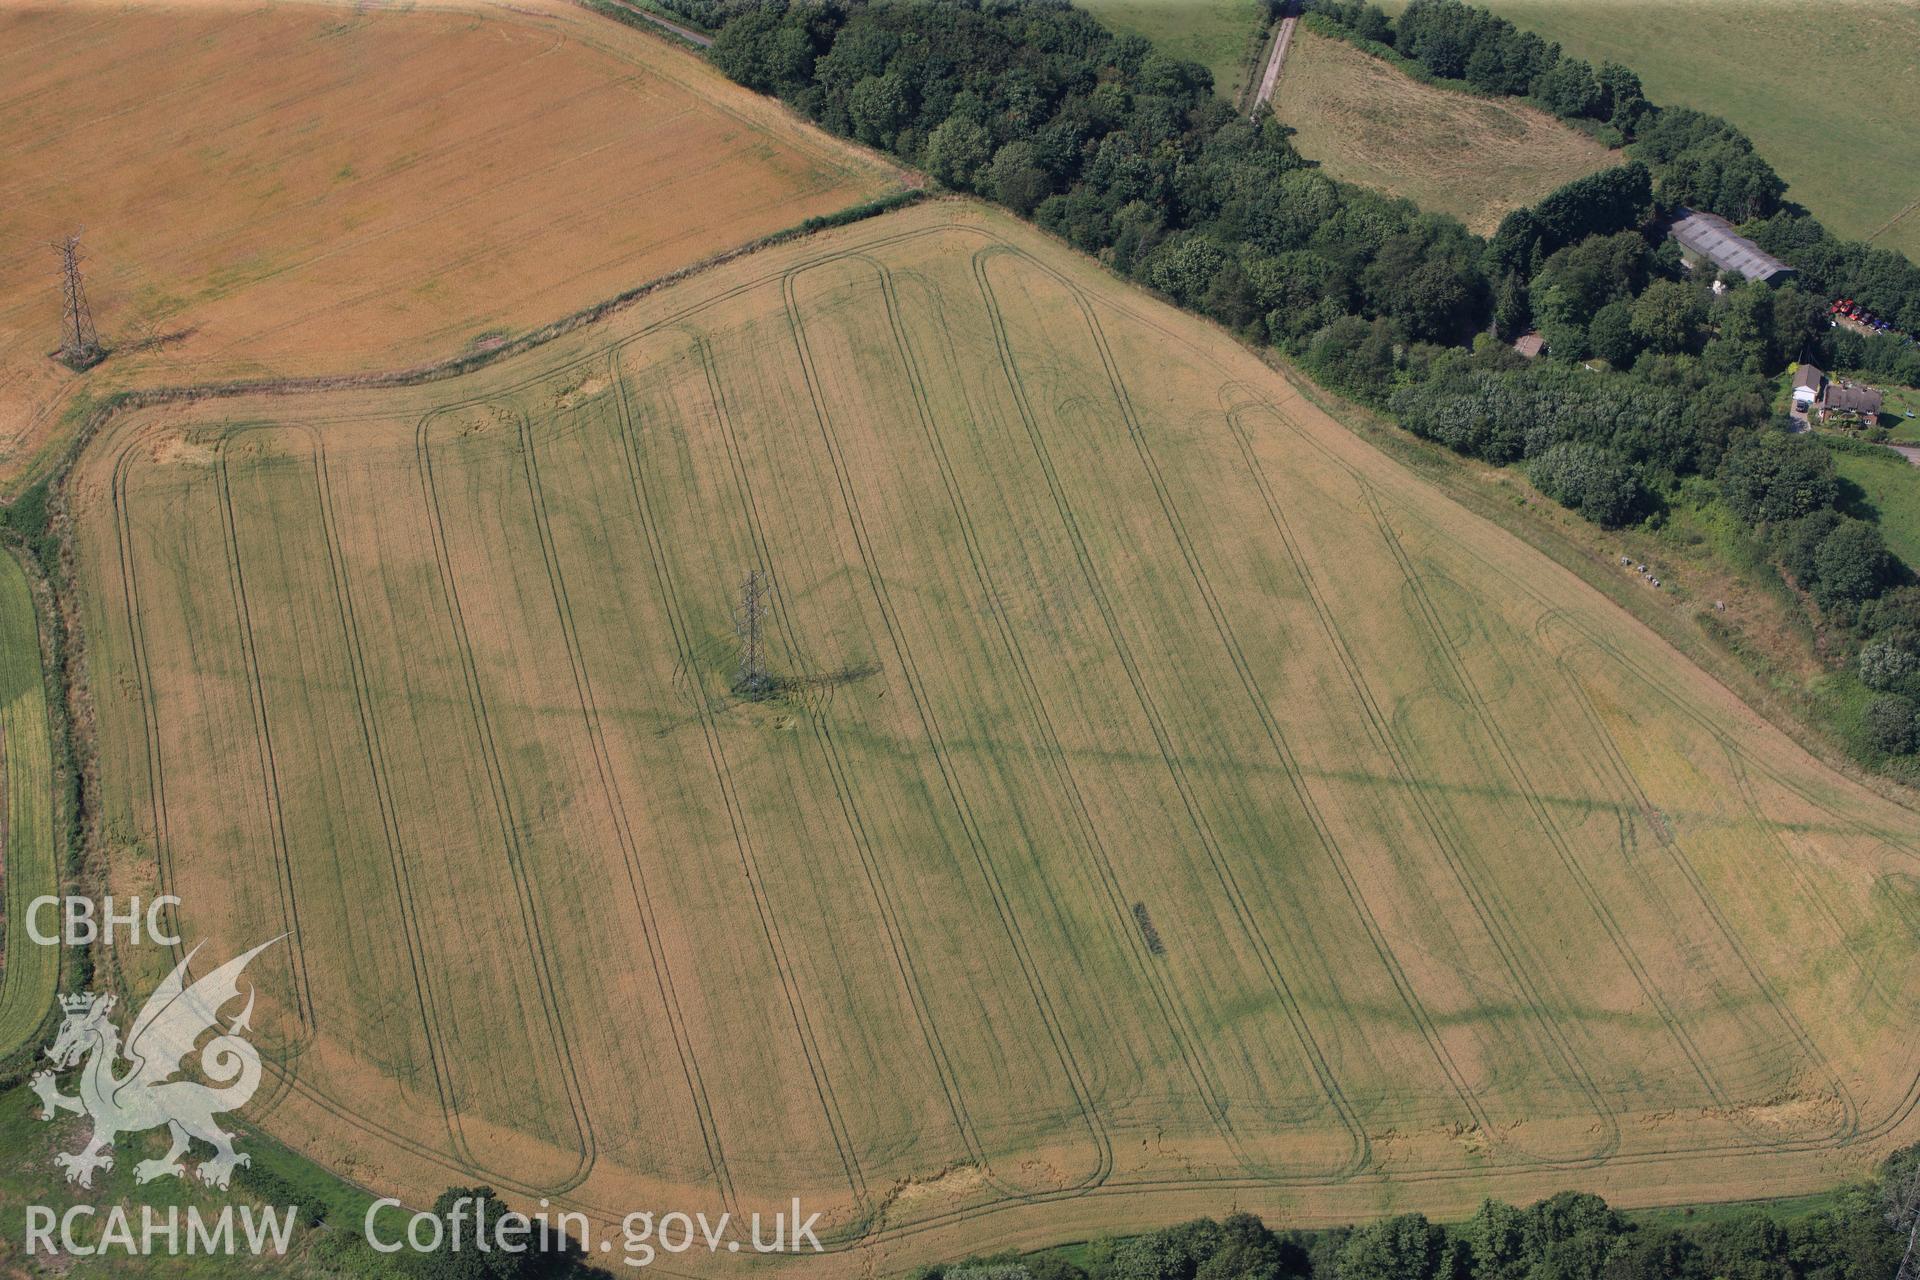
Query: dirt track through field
[[1270, 78]]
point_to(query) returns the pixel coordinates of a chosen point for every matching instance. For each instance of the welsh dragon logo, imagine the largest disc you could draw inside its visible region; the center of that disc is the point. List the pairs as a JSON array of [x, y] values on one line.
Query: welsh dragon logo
[[161, 1040]]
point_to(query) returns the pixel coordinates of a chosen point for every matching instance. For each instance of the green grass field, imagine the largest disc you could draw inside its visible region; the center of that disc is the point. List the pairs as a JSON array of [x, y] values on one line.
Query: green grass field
[[26, 839], [1891, 486], [275, 1179], [1900, 402], [1829, 93], [1218, 34], [1165, 798]]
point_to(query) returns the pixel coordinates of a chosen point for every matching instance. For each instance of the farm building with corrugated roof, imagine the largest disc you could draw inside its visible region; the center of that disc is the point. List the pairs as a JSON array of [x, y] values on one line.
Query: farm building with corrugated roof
[[1713, 238]]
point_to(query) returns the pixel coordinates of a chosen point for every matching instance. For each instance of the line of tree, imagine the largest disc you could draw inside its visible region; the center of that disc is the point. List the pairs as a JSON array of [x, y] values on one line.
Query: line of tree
[[1124, 151], [1696, 159], [1129, 155], [1571, 1236], [1701, 160]]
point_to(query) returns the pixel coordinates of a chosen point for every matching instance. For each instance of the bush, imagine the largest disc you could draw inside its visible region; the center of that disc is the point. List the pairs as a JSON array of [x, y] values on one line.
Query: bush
[[1591, 481], [1890, 725], [1770, 477], [1851, 566], [1016, 178], [1610, 335], [956, 150], [1886, 664]]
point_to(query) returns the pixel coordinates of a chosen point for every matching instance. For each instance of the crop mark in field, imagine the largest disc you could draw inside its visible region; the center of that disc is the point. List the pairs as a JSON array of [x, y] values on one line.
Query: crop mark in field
[[370, 748], [838, 769], [1623, 772], [616, 808], [1276, 737], [1910, 1099], [1644, 1158], [1173, 1014], [1738, 761], [1675, 1025], [669, 597], [1542, 814], [1900, 889], [1257, 700], [956, 793], [1360, 1155], [533, 935], [1492, 914]]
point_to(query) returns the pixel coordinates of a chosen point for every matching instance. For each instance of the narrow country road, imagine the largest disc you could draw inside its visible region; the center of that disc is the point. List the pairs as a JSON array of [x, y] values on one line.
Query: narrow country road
[[666, 24], [1271, 78]]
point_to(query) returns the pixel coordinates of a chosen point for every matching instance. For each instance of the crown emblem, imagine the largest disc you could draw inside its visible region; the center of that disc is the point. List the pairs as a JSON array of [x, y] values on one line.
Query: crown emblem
[[164, 1038]]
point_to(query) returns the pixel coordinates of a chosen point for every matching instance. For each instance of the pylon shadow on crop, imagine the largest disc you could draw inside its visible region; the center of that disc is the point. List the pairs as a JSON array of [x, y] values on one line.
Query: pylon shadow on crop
[[807, 691]]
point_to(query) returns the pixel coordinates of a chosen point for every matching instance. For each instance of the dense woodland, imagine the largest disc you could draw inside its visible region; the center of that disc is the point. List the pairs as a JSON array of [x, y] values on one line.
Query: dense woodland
[[1571, 1236], [1655, 386]]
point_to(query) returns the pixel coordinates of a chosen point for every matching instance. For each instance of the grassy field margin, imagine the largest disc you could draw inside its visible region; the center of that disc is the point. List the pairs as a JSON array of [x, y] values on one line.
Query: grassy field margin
[[33, 862]]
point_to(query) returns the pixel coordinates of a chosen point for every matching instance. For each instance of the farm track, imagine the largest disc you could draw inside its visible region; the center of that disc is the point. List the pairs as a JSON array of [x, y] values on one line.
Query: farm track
[[1089, 845]]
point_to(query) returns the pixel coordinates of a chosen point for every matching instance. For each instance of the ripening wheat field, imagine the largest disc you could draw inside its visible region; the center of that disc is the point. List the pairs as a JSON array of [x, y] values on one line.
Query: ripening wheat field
[[290, 189], [1169, 801]]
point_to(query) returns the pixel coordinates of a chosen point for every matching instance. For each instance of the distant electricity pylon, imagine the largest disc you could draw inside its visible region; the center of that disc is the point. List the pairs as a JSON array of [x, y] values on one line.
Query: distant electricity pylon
[[753, 681], [79, 341]]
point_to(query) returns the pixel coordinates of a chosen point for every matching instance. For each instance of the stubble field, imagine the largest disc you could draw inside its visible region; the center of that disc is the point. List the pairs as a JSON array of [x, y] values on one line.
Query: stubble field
[[294, 189], [1168, 802], [1828, 92], [1478, 159]]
